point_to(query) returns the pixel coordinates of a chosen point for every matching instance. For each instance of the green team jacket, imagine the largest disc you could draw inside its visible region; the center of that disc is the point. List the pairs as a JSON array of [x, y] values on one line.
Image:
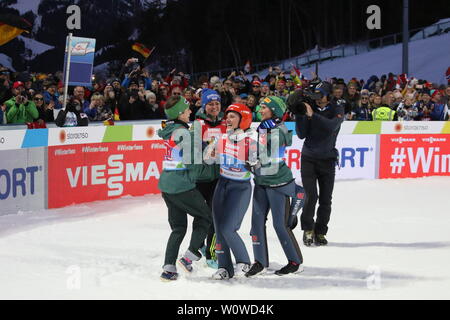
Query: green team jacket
[[283, 175], [22, 113], [173, 182]]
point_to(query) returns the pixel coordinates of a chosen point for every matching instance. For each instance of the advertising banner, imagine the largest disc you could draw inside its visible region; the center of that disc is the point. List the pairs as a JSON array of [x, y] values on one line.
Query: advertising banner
[[414, 156], [357, 157], [412, 127], [91, 172], [81, 61], [11, 139], [22, 180], [75, 135]]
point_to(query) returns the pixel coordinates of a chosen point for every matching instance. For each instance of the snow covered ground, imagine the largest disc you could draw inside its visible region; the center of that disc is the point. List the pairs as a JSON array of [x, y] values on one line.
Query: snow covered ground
[[389, 239]]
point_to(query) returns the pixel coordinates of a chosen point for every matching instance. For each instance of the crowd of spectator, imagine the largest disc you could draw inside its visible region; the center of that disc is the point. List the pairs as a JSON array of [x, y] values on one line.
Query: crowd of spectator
[[37, 99]]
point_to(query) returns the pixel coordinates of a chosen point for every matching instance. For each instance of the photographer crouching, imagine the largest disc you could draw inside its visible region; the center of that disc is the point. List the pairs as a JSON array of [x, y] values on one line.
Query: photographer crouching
[[318, 121]]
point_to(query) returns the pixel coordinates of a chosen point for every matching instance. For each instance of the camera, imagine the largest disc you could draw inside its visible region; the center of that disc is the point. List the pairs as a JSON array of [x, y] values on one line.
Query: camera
[[296, 101]]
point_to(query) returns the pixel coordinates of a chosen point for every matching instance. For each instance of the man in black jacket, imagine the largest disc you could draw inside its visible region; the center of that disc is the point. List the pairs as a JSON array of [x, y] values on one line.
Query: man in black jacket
[[320, 127], [72, 115], [132, 105]]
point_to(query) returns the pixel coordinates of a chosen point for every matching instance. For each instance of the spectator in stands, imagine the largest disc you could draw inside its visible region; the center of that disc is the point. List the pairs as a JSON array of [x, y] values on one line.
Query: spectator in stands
[[377, 101], [50, 95], [338, 99], [362, 111], [97, 110], [351, 96], [439, 111], [388, 99], [251, 102], [46, 113], [424, 105], [79, 94], [72, 115], [132, 105], [265, 90], [5, 91], [22, 111], [111, 99], [154, 111], [256, 89], [406, 110], [16, 90], [226, 94], [446, 96]]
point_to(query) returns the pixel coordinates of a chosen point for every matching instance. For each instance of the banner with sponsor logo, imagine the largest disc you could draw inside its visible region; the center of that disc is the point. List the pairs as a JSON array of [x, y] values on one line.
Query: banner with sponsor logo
[[357, 157], [414, 156], [81, 61], [75, 135], [92, 172], [22, 180], [11, 139]]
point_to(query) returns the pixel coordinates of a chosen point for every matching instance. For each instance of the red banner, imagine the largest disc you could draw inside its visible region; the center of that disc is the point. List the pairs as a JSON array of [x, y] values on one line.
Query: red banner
[[414, 155], [102, 171]]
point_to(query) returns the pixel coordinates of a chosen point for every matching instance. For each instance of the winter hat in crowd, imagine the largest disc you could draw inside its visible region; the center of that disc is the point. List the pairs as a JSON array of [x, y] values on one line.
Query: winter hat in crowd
[[243, 96], [426, 91], [434, 93], [265, 84], [209, 95], [17, 84], [276, 105], [256, 83], [214, 80]]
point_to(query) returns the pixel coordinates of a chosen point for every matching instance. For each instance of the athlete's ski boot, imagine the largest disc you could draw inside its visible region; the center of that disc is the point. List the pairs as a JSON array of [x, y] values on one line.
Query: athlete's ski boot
[[308, 238], [167, 276], [291, 267], [255, 269], [241, 269], [221, 274], [186, 264], [213, 264], [320, 240]]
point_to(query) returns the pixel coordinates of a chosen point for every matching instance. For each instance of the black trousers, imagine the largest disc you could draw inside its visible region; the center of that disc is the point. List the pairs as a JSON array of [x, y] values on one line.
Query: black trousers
[[207, 191], [317, 172]]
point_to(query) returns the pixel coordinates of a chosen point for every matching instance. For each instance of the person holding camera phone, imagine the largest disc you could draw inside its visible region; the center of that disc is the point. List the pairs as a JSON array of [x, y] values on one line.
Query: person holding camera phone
[[20, 109], [318, 121]]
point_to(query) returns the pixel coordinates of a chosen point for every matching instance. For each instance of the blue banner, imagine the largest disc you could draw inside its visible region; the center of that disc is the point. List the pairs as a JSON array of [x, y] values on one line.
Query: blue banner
[[81, 62]]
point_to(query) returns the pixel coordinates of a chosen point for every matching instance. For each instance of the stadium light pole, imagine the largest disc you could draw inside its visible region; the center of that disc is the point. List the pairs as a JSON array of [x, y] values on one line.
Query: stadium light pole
[[405, 36]]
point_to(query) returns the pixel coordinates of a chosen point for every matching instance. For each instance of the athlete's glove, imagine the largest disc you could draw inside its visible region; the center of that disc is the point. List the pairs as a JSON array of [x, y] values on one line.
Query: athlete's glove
[[268, 124], [297, 203], [253, 167]]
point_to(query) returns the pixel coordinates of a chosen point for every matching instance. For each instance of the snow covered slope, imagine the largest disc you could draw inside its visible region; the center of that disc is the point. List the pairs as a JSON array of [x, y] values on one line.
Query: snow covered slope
[[428, 59], [397, 248]]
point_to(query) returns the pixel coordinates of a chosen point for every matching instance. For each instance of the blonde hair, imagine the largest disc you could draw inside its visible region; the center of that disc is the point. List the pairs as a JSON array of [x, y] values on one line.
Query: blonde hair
[[98, 96], [149, 94]]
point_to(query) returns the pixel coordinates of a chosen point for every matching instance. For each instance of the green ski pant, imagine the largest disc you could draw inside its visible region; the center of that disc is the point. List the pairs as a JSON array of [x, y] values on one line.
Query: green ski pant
[[179, 206]]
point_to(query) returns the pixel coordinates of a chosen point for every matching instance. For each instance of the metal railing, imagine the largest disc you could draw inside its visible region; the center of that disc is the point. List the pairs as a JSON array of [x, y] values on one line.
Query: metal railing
[[308, 59]]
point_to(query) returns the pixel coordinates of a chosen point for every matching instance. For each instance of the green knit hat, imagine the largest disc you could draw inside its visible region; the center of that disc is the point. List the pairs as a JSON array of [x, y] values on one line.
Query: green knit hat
[[177, 109], [276, 104]]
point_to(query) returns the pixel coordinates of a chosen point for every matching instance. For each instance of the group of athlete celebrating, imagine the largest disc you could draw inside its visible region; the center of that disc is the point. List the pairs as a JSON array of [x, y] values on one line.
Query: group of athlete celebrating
[[217, 191]]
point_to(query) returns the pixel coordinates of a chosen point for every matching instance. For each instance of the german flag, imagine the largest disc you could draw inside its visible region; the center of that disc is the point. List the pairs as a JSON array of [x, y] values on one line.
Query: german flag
[[12, 26], [139, 47]]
